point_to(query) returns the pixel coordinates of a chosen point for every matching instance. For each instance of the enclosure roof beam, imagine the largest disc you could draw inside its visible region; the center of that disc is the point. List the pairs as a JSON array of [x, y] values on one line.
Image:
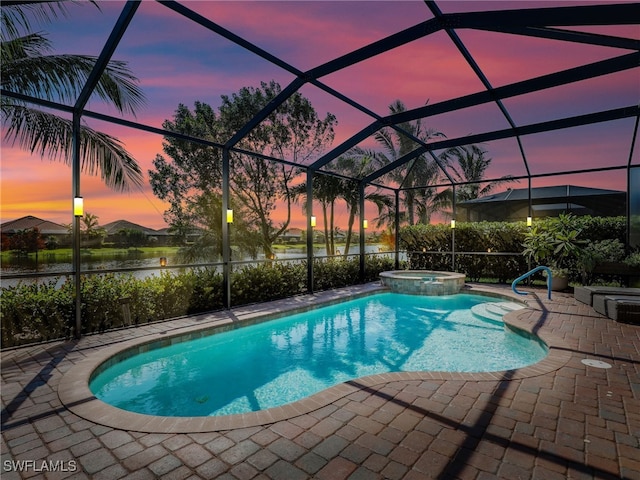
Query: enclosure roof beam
[[223, 32], [583, 72], [581, 15], [570, 36], [598, 117], [109, 47], [480, 74]]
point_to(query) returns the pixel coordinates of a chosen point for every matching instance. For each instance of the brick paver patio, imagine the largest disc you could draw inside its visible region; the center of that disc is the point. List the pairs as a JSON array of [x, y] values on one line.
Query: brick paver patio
[[575, 421]]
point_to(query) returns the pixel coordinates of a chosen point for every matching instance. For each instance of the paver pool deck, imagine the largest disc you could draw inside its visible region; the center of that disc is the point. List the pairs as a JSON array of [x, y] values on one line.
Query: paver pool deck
[[558, 419]]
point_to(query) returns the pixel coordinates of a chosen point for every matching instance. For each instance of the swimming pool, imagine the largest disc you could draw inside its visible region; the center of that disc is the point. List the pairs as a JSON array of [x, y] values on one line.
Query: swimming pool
[[282, 361]]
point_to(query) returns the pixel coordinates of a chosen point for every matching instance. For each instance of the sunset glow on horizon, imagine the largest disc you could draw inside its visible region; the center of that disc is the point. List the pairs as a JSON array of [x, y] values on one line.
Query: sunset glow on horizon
[[179, 62]]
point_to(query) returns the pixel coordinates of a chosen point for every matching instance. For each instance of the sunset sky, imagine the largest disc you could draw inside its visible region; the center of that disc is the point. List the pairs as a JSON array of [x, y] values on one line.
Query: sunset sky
[[177, 61]]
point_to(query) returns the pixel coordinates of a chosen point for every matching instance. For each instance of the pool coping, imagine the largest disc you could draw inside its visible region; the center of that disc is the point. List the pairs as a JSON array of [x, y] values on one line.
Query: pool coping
[[75, 395]]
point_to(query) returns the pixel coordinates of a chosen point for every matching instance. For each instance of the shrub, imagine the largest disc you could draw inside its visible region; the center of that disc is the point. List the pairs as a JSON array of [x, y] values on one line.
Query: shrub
[[45, 311], [429, 247], [633, 260], [268, 281]]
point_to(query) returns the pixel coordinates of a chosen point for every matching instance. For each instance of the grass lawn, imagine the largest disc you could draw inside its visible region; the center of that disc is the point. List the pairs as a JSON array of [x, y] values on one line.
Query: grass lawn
[[105, 252]]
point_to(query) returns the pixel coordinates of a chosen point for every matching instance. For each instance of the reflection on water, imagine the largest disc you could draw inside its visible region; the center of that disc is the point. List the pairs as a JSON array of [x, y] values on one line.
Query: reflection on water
[[281, 361], [48, 263]]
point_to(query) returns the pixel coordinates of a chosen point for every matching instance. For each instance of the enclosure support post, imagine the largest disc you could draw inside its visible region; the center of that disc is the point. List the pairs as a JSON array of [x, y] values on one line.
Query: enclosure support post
[[89, 87], [453, 230], [629, 183], [362, 230], [75, 175], [226, 241], [397, 230], [309, 231]]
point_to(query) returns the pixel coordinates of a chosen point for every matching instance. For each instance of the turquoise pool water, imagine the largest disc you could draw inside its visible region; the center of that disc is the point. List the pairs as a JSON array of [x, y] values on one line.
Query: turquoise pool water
[[284, 360]]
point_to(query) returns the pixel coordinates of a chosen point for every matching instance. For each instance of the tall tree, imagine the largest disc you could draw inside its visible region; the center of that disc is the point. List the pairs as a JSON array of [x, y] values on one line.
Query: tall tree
[[469, 165], [327, 190], [91, 231], [293, 132], [422, 171], [27, 67], [357, 164], [191, 181]]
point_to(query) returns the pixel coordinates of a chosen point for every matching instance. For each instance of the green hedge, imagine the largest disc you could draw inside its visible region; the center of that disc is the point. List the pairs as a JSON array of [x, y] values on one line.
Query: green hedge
[[45, 311], [429, 246]]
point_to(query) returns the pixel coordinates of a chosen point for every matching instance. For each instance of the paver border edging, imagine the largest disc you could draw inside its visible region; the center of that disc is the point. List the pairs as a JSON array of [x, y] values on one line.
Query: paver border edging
[[76, 396]]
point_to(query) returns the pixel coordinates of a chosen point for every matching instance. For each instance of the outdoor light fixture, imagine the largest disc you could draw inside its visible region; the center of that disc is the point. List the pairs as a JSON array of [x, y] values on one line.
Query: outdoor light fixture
[[453, 223], [529, 221], [313, 220], [163, 261], [365, 224], [78, 206], [229, 216]]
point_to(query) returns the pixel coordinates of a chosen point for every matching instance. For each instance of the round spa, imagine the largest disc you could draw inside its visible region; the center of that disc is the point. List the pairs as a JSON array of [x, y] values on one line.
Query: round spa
[[423, 282]]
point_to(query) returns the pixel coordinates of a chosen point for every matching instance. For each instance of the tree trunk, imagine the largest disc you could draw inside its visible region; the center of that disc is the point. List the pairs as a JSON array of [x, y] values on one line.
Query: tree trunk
[[326, 228], [352, 219], [331, 220]]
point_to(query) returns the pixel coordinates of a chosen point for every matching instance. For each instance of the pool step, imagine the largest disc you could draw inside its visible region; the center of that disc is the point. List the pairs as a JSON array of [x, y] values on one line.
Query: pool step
[[494, 311]]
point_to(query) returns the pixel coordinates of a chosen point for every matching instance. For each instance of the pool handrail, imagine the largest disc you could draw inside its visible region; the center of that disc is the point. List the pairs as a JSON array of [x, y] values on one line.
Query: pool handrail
[[528, 274]]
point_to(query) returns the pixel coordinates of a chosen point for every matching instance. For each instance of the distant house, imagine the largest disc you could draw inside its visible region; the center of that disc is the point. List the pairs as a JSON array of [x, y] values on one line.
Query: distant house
[[112, 228], [47, 229], [292, 235], [513, 204], [114, 232]]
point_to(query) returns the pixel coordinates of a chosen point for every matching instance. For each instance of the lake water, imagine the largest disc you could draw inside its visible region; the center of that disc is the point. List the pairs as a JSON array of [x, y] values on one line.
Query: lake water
[[48, 264]]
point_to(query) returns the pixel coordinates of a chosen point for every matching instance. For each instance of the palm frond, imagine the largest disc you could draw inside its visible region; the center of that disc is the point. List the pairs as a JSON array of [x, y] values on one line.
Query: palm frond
[[62, 77], [31, 45], [17, 17], [49, 135]]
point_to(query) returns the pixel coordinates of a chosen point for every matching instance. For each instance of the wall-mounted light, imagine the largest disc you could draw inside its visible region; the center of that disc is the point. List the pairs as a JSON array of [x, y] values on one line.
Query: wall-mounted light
[[313, 220], [163, 261], [229, 216], [529, 221], [365, 224], [78, 206], [453, 223]]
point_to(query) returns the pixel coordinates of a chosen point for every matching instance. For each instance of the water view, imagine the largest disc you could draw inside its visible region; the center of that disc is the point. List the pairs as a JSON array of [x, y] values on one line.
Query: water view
[[144, 259]]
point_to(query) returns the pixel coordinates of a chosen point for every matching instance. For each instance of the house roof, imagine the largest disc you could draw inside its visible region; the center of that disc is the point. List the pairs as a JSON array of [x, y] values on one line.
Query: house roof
[[546, 201], [112, 228], [26, 223], [540, 193], [296, 232]]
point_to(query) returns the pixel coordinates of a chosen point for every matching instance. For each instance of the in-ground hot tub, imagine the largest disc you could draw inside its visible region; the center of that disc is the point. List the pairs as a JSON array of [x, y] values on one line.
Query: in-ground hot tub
[[423, 282]]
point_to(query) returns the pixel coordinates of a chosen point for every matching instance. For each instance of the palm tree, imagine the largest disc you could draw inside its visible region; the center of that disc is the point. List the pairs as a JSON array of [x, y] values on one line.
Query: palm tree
[[358, 163], [420, 172], [327, 190], [469, 165], [28, 68], [91, 230]]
